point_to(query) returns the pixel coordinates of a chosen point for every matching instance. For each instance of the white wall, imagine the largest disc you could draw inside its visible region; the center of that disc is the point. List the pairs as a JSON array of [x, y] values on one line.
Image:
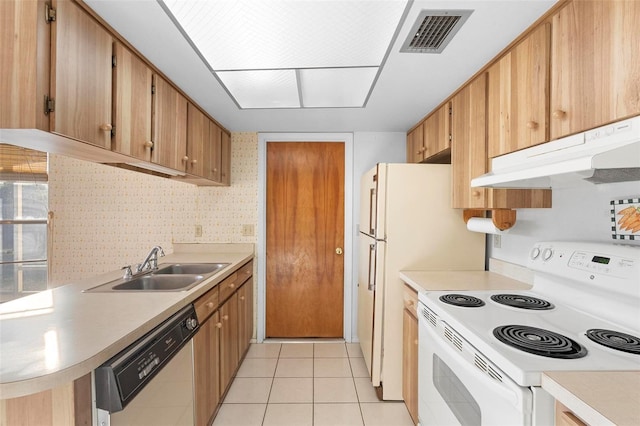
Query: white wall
[[578, 214]]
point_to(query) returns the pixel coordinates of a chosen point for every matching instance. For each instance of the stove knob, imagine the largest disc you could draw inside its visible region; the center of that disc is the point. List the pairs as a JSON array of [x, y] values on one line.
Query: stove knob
[[547, 254], [191, 323], [535, 253]]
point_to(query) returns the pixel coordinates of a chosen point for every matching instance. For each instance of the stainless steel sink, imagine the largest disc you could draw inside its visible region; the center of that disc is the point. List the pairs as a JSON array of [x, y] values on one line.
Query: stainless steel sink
[[168, 277], [189, 268], [160, 283]]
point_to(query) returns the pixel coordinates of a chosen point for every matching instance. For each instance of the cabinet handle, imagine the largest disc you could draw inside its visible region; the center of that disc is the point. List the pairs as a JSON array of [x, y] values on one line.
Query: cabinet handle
[[185, 158], [214, 170], [475, 193], [106, 127], [232, 285], [210, 305], [225, 317], [241, 297], [415, 342], [194, 161], [560, 114], [148, 144], [219, 325], [532, 125]]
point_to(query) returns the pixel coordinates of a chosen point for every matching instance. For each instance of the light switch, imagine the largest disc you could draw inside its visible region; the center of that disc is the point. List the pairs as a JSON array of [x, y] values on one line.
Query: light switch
[[198, 230], [247, 230]]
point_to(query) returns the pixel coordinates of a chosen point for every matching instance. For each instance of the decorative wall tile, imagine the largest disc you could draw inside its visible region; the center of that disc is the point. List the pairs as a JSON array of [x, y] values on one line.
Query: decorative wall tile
[[106, 217]]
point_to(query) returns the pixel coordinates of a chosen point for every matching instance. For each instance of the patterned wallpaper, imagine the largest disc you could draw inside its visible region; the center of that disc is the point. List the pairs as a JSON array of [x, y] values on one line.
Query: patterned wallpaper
[[106, 217]]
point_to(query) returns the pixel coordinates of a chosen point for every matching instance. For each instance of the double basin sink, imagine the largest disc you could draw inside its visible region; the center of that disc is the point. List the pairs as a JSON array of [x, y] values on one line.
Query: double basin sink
[[168, 277]]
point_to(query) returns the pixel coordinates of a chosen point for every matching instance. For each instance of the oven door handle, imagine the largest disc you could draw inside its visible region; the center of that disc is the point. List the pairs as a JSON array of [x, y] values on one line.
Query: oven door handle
[[507, 389]]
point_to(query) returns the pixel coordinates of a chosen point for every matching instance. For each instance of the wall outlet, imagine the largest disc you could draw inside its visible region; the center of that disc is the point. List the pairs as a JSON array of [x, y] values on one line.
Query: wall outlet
[[248, 230], [497, 241], [198, 230]]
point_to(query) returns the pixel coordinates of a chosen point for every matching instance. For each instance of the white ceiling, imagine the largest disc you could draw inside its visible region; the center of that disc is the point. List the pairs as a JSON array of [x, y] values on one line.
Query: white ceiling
[[409, 86]]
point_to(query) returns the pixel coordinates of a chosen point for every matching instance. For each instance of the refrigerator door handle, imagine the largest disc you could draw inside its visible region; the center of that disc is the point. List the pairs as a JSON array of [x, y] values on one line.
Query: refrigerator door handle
[[371, 285], [372, 211]]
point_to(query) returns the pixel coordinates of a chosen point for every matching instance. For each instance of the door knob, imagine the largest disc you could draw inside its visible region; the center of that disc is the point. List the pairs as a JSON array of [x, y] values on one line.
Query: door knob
[[339, 250]]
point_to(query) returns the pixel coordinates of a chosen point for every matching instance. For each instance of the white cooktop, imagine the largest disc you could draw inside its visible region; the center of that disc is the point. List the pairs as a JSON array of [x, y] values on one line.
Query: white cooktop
[[591, 286]]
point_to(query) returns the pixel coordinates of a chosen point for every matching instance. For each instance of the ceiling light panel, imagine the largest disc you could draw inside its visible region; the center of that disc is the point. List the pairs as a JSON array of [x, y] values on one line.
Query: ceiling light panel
[[277, 34], [262, 88], [336, 87]]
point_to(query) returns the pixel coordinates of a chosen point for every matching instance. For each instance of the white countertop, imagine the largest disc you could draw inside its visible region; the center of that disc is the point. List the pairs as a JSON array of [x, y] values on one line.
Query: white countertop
[[460, 280], [56, 336], [597, 397]]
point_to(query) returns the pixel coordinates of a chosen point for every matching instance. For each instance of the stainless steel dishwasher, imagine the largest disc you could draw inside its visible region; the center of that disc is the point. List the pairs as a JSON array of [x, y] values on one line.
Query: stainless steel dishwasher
[[151, 381]]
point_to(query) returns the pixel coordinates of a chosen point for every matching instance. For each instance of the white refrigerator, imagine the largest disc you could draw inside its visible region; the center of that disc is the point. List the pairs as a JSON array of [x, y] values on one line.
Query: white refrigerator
[[406, 223]]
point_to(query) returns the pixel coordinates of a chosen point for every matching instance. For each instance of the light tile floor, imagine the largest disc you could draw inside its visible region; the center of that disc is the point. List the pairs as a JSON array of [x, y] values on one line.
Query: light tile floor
[[300, 384]]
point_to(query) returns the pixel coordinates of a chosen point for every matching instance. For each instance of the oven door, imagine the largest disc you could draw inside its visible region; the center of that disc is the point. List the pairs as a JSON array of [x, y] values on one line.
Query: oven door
[[457, 386]]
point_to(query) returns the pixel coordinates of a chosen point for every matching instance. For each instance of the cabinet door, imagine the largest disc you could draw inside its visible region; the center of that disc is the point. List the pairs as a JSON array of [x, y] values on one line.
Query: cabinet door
[[595, 77], [229, 355], [245, 316], [225, 159], [81, 76], [437, 133], [213, 153], [410, 363], [169, 125], [197, 138], [518, 88], [415, 145], [131, 104], [24, 74], [468, 145], [206, 367]]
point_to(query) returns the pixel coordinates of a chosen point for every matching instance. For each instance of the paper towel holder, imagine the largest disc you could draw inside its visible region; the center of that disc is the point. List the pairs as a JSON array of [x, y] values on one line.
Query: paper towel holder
[[502, 218]]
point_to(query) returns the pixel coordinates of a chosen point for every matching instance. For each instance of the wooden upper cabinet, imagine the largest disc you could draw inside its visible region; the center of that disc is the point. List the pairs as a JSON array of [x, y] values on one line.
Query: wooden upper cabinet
[[469, 156], [25, 38], [81, 76], [415, 145], [595, 65], [437, 132], [198, 127], [213, 153], [469, 144], [169, 125], [131, 104], [518, 95], [225, 159]]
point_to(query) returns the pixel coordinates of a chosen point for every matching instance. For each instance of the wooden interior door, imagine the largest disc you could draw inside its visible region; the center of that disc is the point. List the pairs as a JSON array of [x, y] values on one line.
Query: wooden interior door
[[305, 229]]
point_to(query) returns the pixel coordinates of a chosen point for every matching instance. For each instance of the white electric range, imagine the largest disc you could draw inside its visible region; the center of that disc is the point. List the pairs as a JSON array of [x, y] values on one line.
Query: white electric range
[[482, 353]]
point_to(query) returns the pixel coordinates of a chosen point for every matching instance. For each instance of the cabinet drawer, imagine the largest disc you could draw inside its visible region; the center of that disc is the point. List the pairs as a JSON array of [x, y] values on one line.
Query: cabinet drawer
[[228, 286], [245, 272], [207, 304], [410, 299]]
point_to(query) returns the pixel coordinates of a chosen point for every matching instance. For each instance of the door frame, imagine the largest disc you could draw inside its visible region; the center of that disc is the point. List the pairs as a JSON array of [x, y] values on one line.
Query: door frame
[[349, 297]]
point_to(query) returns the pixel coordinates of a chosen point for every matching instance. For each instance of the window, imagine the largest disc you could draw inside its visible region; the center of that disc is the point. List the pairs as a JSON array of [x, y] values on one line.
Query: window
[[23, 221]]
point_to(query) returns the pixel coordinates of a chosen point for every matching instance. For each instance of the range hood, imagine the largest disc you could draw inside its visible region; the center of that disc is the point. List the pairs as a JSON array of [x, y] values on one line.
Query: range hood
[[606, 154]]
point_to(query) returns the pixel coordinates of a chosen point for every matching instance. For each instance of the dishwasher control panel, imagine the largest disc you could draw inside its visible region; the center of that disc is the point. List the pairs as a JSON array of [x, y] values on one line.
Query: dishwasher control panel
[[121, 378]]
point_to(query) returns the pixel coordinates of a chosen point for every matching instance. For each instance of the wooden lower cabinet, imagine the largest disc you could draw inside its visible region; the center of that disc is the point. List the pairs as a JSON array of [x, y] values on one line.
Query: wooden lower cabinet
[[410, 353], [223, 339], [564, 417], [245, 316], [206, 369], [229, 354]]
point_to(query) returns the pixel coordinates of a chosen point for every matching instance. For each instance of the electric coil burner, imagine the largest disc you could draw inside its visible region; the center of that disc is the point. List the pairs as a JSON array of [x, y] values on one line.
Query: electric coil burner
[[615, 340], [462, 300], [539, 341], [522, 301]]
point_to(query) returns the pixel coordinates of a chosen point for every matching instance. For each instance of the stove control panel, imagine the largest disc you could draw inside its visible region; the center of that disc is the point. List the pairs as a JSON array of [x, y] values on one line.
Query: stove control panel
[[586, 261]]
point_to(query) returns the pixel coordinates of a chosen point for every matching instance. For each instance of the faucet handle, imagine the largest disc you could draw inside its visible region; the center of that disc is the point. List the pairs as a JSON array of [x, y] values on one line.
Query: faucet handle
[[160, 251], [127, 272]]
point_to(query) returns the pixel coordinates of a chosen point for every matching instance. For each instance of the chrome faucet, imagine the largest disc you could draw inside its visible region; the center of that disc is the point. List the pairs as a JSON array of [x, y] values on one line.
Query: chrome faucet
[[151, 261]]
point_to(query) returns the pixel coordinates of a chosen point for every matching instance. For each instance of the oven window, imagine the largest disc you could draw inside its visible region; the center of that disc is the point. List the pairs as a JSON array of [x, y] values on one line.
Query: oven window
[[455, 394]]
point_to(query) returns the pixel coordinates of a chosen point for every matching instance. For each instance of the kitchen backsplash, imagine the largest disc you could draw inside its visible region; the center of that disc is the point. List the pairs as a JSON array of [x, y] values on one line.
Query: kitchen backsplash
[[106, 217], [581, 213]]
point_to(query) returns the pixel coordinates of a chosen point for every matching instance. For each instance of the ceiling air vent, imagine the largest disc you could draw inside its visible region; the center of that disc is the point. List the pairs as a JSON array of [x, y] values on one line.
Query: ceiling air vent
[[433, 30]]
